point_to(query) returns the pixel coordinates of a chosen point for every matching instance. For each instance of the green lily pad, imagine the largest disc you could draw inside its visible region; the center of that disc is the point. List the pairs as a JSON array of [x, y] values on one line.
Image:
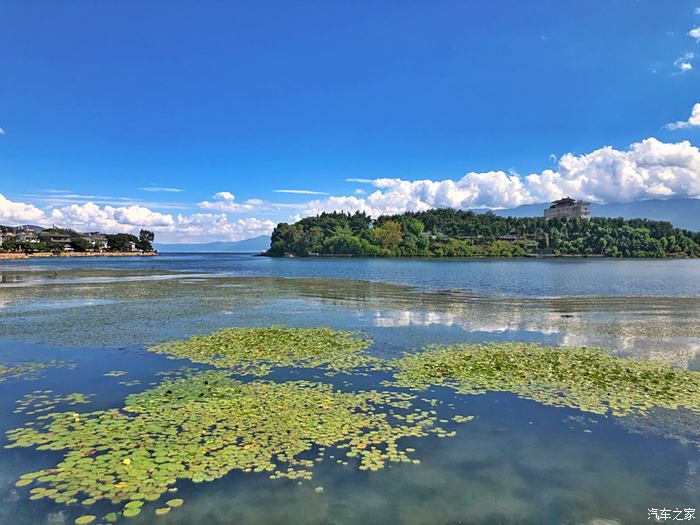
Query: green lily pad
[[130, 513]]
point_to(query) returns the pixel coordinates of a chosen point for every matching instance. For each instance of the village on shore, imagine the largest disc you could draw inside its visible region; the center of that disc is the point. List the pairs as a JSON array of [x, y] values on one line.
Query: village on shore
[[24, 241]]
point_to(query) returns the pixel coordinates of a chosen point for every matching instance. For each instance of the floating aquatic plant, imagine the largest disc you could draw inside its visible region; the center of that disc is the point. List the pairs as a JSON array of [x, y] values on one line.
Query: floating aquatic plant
[[115, 373], [200, 427], [29, 370], [255, 350], [41, 401], [133, 382], [583, 378]]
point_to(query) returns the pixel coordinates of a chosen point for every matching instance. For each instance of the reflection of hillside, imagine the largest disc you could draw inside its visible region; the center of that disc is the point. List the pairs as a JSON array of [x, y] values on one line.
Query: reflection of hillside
[[666, 328]]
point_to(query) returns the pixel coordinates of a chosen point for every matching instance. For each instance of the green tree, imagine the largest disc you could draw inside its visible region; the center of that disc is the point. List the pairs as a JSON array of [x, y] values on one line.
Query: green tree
[[146, 238]]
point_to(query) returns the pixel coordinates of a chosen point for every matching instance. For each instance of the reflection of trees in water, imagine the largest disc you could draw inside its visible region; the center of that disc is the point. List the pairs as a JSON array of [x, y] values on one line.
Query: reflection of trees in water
[[666, 328]]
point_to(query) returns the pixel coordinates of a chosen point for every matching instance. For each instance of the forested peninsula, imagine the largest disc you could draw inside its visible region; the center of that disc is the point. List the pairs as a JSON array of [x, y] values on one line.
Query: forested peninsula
[[456, 233]]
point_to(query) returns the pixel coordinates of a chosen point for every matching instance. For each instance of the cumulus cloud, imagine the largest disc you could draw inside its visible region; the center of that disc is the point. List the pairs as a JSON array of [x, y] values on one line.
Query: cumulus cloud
[[692, 122], [684, 63], [647, 169], [695, 33], [19, 213], [205, 227], [2, 131], [197, 227], [494, 189], [225, 201], [90, 216]]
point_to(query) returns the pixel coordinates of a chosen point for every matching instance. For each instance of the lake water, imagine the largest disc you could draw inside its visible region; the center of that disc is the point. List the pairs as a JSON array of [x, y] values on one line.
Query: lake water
[[517, 462]]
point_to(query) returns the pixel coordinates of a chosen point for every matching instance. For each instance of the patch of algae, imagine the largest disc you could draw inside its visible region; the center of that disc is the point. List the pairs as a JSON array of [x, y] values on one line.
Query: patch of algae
[[202, 426], [254, 351], [584, 378]]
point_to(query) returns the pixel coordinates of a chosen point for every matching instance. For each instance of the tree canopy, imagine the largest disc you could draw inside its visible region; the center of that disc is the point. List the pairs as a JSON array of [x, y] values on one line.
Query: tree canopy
[[447, 232]]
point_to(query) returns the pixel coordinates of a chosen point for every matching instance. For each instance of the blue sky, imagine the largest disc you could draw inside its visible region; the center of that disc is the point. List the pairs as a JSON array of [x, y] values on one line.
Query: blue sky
[[110, 103]]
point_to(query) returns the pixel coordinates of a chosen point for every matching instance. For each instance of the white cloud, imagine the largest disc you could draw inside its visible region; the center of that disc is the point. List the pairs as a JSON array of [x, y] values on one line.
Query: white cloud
[[206, 227], [302, 192], [684, 63], [225, 201], [695, 33], [693, 120], [12, 213], [648, 169], [495, 189], [160, 189], [198, 227], [225, 195], [90, 216], [2, 131]]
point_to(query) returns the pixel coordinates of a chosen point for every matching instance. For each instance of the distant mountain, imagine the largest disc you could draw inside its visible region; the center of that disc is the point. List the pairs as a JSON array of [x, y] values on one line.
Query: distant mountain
[[255, 244], [26, 227], [682, 213]]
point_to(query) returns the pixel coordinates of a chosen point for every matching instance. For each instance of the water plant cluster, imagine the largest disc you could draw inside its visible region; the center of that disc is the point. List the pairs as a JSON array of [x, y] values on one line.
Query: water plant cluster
[[202, 426], [41, 401], [29, 369], [254, 351], [584, 378]]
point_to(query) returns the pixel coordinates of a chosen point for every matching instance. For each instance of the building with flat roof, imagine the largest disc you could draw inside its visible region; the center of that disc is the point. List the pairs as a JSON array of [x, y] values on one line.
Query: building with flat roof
[[568, 207]]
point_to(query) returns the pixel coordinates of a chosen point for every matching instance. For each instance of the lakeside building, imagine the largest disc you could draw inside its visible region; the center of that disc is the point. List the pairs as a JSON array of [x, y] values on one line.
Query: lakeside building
[[568, 207], [51, 237], [96, 241]]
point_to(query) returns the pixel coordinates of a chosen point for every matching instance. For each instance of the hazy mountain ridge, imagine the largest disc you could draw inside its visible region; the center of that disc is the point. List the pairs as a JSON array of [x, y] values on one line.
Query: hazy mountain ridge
[[254, 244]]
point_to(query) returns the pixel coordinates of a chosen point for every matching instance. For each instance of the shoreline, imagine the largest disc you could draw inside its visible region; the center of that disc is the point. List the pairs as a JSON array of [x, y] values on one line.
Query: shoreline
[[513, 257], [44, 255]]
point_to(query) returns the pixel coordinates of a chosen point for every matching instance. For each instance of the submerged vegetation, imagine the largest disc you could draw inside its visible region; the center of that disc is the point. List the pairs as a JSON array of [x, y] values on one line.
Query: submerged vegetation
[[457, 233], [202, 426], [583, 378], [255, 350]]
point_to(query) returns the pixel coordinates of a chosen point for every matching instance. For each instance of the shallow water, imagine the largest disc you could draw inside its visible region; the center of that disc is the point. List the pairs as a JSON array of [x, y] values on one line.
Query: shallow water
[[517, 462]]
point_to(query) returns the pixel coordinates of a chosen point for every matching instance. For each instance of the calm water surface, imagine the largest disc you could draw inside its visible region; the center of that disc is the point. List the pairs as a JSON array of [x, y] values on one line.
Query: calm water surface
[[523, 277], [517, 462]]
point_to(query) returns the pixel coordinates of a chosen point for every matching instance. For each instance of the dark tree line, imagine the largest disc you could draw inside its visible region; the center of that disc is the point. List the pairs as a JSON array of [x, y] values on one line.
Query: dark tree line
[[454, 233]]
